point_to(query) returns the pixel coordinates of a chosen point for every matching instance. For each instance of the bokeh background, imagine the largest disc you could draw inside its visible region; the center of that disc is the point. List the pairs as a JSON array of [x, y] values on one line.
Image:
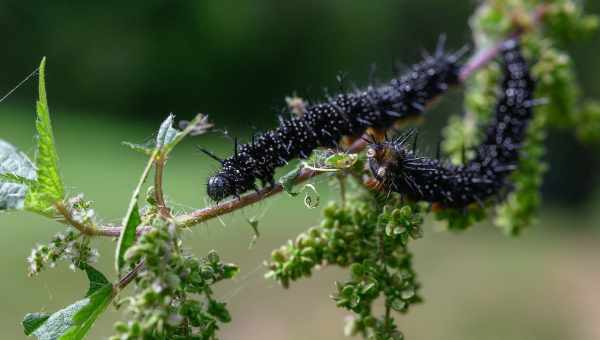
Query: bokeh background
[[117, 68]]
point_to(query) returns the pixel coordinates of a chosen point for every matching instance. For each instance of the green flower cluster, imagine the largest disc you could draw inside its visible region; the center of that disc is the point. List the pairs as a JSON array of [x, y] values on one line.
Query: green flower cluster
[[173, 296], [69, 245], [370, 235]]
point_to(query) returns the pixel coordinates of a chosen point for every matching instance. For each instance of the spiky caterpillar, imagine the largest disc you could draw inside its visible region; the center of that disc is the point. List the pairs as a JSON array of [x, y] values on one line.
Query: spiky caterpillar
[[400, 169], [325, 124]]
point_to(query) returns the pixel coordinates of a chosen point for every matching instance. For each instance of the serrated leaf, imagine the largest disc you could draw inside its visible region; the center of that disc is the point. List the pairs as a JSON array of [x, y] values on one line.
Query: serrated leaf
[[49, 187], [33, 321], [12, 178], [138, 147], [84, 319], [16, 173], [74, 321], [166, 133], [96, 278]]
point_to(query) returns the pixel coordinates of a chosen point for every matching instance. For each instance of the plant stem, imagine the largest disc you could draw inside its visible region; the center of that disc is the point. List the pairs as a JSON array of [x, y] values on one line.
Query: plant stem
[[69, 219], [159, 166], [127, 278]]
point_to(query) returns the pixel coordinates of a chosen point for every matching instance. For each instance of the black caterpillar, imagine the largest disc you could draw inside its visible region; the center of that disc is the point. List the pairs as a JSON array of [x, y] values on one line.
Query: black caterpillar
[[324, 124], [401, 170]]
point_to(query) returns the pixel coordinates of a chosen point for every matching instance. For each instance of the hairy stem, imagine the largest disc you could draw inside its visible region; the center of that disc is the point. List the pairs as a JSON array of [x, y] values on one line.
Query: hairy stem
[[127, 278], [70, 220], [159, 165]]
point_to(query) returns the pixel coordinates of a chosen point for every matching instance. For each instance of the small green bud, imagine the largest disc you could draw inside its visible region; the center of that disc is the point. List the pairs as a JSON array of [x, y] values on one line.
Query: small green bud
[[357, 271], [398, 305], [406, 211], [230, 270], [369, 321], [213, 257]]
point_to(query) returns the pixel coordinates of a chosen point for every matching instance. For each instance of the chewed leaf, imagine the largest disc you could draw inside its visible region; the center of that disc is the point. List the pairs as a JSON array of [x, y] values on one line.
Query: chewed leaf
[[49, 187], [166, 132], [74, 321], [289, 180], [17, 172]]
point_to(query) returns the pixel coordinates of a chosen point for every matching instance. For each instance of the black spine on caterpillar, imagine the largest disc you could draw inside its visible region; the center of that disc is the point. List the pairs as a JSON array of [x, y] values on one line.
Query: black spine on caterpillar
[[324, 124], [400, 169]]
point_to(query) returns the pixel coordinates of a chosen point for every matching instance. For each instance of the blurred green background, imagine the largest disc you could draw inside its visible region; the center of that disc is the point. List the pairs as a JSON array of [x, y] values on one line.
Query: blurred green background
[[115, 69]]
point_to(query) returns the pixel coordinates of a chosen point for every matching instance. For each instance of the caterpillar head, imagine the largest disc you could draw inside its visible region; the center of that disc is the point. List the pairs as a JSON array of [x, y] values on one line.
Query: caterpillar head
[[384, 159], [218, 187]]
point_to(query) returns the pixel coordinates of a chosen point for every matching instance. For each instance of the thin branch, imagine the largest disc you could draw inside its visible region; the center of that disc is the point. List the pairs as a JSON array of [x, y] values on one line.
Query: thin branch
[[69, 219], [127, 278], [159, 166], [485, 56]]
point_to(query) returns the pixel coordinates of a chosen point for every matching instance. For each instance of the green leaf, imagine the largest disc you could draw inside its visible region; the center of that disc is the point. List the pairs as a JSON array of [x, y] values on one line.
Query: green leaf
[[12, 178], [132, 218], [96, 278], [33, 321], [219, 311], [198, 126], [289, 180], [85, 317], [128, 235], [49, 187], [74, 321], [166, 133], [17, 172]]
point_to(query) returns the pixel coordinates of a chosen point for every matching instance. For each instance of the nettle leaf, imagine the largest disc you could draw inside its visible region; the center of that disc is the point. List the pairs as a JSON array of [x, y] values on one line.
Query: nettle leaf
[[33, 321], [17, 172], [166, 133], [49, 187], [127, 238], [96, 278], [132, 218], [168, 136], [289, 180], [85, 317], [74, 321]]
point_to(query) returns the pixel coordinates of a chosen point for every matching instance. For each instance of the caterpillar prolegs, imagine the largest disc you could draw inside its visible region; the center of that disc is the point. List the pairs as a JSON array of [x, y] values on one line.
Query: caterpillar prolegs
[[400, 169], [324, 124]]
